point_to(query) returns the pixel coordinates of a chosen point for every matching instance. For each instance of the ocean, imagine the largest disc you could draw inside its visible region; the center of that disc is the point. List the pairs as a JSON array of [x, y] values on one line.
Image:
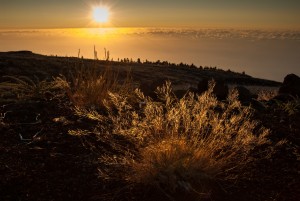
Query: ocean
[[268, 54]]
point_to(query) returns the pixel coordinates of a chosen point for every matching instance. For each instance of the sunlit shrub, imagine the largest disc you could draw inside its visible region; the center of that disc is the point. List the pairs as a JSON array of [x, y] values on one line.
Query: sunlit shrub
[[185, 144], [266, 95], [88, 86]]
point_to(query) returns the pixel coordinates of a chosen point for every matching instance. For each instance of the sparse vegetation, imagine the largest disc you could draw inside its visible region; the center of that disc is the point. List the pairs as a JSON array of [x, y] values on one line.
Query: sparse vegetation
[[291, 107], [96, 129], [25, 88], [266, 95]]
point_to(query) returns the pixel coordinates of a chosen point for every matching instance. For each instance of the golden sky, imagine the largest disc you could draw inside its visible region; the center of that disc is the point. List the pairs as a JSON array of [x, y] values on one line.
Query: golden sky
[[138, 13]]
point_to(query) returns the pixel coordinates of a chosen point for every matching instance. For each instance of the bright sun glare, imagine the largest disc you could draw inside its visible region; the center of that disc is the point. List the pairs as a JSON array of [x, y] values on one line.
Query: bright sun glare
[[100, 14]]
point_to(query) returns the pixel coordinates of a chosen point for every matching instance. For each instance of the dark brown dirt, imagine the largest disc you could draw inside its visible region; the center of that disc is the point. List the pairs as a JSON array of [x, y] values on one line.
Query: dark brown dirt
[[49, 164]]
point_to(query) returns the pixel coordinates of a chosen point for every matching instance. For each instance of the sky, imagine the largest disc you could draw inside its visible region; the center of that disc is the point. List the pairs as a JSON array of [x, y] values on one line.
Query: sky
[[155, 13]]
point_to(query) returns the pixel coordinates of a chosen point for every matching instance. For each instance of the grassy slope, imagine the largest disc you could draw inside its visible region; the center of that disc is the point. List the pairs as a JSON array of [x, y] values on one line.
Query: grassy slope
[[19, 63], [54, 165]]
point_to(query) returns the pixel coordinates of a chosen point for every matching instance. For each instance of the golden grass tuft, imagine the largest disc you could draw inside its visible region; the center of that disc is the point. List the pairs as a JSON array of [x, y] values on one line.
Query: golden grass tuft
[[89, 87], [174, 165], [183, 145], [266, 95]]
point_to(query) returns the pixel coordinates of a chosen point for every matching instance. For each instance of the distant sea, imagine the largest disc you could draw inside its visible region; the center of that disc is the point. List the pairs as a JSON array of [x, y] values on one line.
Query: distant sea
[[260, 53]]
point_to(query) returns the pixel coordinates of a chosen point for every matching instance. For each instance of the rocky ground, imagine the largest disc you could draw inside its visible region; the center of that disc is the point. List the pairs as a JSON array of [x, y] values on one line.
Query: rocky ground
[[39, 160]]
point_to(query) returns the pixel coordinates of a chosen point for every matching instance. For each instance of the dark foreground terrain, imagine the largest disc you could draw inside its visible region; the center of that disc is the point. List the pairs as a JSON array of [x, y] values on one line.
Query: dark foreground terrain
[[40, 160]]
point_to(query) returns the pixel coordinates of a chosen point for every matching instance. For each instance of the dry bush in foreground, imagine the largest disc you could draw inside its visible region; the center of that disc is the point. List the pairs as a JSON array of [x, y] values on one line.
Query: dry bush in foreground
[[183, 145]]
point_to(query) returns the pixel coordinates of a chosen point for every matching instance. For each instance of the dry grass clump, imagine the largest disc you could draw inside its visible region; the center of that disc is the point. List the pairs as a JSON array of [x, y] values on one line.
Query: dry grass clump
[[23, 87], [291, 107], [88, 86], [183, 145], [266, 95], [175, 166]]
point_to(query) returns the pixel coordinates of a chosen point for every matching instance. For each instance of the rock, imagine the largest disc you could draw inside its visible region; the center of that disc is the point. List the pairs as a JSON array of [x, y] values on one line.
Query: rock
[[244, 94], [180, 93], [203, 85], [148, 88], [281, 98], [193, 90], [220, 89], [257, 105], [291, 85]]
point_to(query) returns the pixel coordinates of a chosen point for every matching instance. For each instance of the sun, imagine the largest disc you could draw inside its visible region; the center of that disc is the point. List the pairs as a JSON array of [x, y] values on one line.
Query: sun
[[100, 14]]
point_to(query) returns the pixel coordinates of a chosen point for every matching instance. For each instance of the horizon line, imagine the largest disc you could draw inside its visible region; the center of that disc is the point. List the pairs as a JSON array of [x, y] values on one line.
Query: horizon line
[[170, 27]]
